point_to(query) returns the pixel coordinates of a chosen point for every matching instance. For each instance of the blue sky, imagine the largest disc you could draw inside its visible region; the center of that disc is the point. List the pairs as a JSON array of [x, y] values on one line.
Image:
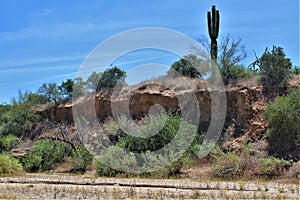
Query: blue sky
[[47, 41]]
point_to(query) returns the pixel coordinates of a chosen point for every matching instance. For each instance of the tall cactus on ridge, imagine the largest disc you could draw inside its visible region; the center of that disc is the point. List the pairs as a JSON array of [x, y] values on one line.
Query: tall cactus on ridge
[[213, 19]]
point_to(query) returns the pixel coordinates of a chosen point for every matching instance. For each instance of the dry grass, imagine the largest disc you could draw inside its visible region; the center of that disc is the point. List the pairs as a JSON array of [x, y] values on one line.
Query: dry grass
[[42, 186]]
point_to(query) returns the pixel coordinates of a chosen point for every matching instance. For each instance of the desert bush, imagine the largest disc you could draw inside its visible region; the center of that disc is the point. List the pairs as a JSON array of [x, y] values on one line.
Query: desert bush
[[294, 171], [283, 134], [235, 73], [6, 142], [105, 170], [116, 157], [247, 164], [189, 66], [273, 167], [8, 164], [19, 119], [81, 158], [201, 148], [152, 136], [159, 138], [227, 165], [275, 70], [44, 156]]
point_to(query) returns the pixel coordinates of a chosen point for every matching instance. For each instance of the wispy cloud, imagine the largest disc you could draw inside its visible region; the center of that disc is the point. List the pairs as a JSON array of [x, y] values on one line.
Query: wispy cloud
[[141, 60], [8, 64]]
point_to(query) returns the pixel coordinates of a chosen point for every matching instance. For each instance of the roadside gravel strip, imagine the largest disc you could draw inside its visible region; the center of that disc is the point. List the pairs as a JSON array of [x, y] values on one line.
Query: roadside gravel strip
[[43, 186]]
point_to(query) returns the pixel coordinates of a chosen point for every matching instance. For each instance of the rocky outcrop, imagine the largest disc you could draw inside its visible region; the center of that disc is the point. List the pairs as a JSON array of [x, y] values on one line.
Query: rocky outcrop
[[139, 100]]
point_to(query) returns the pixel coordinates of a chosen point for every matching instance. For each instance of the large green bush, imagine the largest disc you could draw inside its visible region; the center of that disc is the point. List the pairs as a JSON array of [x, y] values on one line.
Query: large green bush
[[145, 140], [275, 70], [81, 158], [283, 116], [44, 156], [8, 164], [18, 120]]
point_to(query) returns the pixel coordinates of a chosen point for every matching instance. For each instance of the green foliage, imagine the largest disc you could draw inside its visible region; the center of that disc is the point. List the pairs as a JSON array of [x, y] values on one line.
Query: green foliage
[[4, 108], [247, 163], [189, 66], [6, 142], [9, 165], [275, 70], [157, 132], [44, 155], [66, 88], [227, 165], [296, 70], [139, 143], [108, 79], [235, 73], [201, 148], [92, 81], [18, 120], [116, 157], [81, 158], [272, 167], [50, 92], [283, 116], [78, 87]]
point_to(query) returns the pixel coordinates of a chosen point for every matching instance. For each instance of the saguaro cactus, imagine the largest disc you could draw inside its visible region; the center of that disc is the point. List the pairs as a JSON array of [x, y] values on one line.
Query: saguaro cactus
[[213, 19]]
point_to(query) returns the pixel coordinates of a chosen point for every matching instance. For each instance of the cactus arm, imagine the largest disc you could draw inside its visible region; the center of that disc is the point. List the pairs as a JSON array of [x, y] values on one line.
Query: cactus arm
[[217, 23], [209, 24]]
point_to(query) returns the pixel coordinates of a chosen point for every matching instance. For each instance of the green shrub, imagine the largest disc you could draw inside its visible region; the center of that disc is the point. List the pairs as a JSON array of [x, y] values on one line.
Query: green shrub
[[296, 70], [247, 164], [116, 157], [6, 142], [227, 165], [152, 136], [44, 155], [104, 170], [275, 70], [108, 79], [189, 66], [235, 73], [283, 116], [140, 142], [202, 148], [272, 167], [81, 158], [8, 164], [18, 120]]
